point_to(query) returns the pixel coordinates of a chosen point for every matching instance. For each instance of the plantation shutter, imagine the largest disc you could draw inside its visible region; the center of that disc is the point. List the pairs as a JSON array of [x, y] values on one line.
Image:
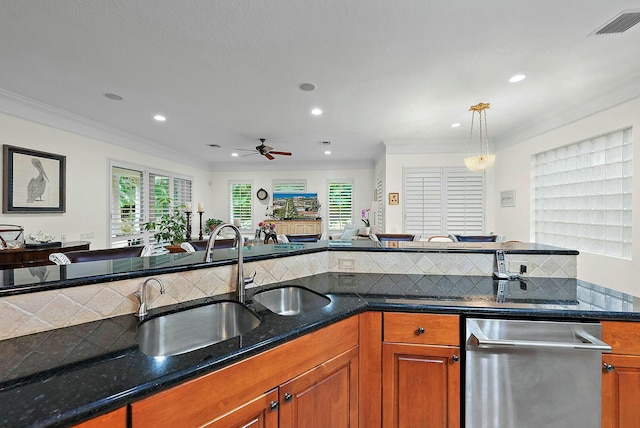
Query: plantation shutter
[[380, 204], [340, 205], [289, 186], [241, 203], [181, 191], [127, 207], [465, 202], [441, 201], [423, 204]]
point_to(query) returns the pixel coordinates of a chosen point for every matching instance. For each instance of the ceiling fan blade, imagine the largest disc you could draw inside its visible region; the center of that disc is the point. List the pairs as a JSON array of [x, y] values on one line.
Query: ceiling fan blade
[[246, 150], [249, 154], [268, 156], [281, 153]]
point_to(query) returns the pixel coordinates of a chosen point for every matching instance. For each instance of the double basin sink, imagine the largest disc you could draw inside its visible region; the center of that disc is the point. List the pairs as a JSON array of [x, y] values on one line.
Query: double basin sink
[[191, 329]]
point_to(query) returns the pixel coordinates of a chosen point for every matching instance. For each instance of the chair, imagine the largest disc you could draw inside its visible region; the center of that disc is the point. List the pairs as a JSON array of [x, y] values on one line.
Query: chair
[[440, 238], [350, 232], [396, 237], [474, 238], [313, 237], [104, 254], [201, 245]]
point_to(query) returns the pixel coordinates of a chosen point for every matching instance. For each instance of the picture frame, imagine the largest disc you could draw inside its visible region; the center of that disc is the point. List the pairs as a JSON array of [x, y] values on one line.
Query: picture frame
[[33, 181], [508, 198], [394, 198]]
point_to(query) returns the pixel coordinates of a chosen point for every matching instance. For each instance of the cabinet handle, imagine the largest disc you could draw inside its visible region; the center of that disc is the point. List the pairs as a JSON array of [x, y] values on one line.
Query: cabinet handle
[[288, 397], [608, 367], [273, 406], [420, 331], [455, 358]]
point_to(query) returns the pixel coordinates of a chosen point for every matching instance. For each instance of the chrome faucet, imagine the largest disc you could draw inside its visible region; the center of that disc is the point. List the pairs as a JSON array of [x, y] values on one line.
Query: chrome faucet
[[142, 296], [208, 257]]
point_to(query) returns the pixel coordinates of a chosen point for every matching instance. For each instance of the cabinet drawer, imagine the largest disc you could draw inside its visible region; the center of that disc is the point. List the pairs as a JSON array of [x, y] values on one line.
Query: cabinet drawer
[[421, 328], [623, 336]]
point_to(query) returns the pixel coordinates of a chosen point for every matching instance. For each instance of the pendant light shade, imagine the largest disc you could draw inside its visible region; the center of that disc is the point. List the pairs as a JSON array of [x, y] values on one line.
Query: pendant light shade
[[483, 159]]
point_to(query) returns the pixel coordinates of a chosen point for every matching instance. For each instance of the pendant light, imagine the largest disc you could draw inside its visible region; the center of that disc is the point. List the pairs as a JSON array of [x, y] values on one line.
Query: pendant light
[[484, 159]]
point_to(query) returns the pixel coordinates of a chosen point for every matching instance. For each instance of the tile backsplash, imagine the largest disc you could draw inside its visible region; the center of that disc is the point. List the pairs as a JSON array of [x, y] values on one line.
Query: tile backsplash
[[24, 314]]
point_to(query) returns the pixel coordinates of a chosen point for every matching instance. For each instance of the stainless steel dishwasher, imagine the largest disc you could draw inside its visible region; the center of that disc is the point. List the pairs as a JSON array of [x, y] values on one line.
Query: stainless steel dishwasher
[[522, 374]]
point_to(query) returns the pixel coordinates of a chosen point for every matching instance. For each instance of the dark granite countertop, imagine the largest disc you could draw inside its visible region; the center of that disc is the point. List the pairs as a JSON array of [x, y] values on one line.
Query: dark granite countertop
[[71, 374]]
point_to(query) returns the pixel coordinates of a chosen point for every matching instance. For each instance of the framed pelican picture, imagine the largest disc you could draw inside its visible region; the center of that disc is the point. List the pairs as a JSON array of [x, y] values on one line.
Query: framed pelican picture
[[33, 181]]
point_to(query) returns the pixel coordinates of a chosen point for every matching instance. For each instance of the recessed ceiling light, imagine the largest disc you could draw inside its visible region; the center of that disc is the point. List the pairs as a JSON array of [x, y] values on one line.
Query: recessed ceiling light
[[307, 87], [517, 78], [159, 118], [234, 154], [327, 152], [316, 112], [114, 97], [455, 125]]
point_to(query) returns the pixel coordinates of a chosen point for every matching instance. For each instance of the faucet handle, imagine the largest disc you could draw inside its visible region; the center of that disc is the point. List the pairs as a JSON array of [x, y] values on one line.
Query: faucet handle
[[249, 280]]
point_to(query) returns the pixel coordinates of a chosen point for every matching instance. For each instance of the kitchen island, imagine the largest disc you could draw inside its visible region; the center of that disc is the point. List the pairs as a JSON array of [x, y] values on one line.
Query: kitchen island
[[72, 374], [68, 375]]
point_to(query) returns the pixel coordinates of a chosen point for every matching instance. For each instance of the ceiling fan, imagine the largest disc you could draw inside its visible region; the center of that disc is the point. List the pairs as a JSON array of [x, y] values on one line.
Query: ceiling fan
[[268, 151]]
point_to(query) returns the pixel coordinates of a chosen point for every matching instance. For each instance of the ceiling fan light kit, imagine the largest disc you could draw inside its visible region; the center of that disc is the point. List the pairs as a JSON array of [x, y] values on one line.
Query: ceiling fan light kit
[[267, 151]]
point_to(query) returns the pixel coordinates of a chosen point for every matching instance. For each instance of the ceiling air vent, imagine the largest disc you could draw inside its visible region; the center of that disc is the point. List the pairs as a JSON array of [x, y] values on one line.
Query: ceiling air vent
[[621, 23]]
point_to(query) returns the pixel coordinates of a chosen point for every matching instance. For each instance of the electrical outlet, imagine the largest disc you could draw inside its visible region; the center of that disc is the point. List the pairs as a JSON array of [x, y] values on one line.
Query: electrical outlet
[[516, 266], [63, 238], [347, 264]]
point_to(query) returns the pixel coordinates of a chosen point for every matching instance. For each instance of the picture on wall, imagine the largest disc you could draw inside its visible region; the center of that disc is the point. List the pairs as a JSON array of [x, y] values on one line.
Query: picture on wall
[[288, 206], [33, 181], [508, 198]]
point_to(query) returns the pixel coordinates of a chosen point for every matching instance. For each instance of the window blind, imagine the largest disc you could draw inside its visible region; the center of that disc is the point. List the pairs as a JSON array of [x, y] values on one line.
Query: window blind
[[241, 203], [139, 196], [340, 205], [281, 186], [440, 201]]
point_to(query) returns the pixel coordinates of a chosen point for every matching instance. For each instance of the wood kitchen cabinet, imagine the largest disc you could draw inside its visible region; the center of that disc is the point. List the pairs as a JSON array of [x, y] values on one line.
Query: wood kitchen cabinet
[[306, 382], [420, 370], [114, 419], [621, 375]]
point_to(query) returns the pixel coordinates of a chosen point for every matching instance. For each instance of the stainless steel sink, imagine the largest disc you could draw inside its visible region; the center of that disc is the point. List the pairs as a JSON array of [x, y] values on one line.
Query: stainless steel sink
[[291, 300], [192, 329]]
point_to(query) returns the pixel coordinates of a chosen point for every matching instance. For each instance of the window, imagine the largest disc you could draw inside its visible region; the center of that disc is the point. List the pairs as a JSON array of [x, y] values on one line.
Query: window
[[340, 205], [241, 203], [289, 186], [139, 196], [440, 201], [380, 204], [582, 195]]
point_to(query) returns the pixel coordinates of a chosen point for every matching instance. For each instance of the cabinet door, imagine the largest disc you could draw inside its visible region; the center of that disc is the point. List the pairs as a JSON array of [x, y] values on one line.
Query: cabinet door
[[325, 396], [115, 419], [261, 412], [621, 391], [420, 386]]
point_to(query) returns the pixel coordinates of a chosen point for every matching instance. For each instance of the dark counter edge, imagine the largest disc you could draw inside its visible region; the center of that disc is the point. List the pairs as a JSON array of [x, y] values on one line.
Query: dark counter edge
[[9, 290], [359, 304]]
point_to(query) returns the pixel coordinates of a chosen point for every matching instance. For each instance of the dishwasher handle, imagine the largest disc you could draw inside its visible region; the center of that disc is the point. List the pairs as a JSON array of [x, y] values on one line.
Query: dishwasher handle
[[589, 342]]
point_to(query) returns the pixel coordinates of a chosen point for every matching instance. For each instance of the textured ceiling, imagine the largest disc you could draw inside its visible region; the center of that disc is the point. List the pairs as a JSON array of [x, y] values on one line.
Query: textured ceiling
[[395, 72]]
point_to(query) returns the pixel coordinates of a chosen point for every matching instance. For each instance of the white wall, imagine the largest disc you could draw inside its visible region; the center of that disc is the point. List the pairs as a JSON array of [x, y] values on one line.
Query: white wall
[[393, 183], [512, 171], [317, 182], [88, 179]]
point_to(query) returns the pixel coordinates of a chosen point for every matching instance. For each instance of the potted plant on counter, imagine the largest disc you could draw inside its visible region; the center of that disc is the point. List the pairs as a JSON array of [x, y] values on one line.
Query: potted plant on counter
[[212, 223], [171, 227]]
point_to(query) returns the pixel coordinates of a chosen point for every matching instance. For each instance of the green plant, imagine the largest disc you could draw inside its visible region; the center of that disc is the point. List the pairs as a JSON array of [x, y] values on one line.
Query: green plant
[[169, 227], [212, 223]]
